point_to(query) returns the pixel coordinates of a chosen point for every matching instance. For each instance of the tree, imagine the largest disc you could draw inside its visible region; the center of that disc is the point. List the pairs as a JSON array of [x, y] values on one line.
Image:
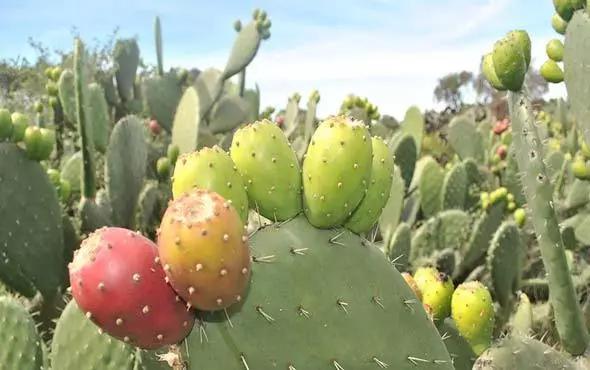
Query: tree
[[450, 89]]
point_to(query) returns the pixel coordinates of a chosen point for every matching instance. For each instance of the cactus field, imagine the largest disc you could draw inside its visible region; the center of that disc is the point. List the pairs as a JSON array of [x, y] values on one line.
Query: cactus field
[[157, 218]]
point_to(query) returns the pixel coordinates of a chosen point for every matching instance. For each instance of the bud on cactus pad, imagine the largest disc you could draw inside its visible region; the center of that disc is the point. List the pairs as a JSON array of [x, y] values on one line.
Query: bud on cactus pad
[[211, 169], [369, 210], [118, 282], [269, 168], [336, 171], [204, 250], [437, 290], [473, 313]]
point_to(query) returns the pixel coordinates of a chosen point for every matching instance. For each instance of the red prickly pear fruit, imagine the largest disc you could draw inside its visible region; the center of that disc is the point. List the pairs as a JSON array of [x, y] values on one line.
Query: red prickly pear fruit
[[280, 120], [204, 250], [118, 281], [501, 126], [155, 127], [502, 152]]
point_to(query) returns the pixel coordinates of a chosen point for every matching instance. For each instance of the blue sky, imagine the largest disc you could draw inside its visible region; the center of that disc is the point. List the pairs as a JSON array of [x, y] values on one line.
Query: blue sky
[[391, 51]]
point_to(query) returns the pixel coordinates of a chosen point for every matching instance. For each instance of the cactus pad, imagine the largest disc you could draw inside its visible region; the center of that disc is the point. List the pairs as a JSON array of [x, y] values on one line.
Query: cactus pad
[[504, 262], [455, 188], [21, 345], [405, 154], [430, 186], [465, 139]]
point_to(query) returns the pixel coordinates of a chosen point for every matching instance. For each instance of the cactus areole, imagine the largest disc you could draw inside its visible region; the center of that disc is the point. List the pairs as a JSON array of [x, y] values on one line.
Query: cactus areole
[[118, 281]]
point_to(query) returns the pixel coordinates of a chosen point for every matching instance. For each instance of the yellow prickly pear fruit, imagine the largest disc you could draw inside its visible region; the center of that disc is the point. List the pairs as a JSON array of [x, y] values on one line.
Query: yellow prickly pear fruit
[[473, 313], [437, 290]]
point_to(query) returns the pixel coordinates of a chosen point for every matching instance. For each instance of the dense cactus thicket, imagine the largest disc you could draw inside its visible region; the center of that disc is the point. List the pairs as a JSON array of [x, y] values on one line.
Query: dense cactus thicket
[[162, 220]]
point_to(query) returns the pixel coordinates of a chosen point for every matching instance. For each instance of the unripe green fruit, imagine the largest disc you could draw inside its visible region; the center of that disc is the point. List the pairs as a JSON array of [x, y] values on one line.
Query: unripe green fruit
[[5, 124], [473, 313], [524, 41], [566, 8], [519, 217], [56, 73], [580, 169], [38, 107], [554, 50], [163, 168], [173, 153], [558, 24], [54, 176], [552, 72], [33, 142], [51, 88], [490, 72], [20, 122], [511, 206], [238, 26], [53, 102], [47, 72], [47, 142], [509, 62], [437, 290], [485, 200]]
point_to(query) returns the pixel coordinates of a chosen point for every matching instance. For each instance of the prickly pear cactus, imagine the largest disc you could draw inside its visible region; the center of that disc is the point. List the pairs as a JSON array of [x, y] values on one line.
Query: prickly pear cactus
[[31, 238], [405, 154], [21, 344], [473, 313], [286, 297], [98, 117], [398, 249], [454, 189], [413, 125], [465, 139], [126, 56], [504, 262], [187, 119], [390, 216], [161, 95], [430, 186]]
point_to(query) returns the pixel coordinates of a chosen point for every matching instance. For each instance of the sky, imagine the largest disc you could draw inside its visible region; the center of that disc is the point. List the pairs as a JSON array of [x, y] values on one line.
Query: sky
[[391, 51]]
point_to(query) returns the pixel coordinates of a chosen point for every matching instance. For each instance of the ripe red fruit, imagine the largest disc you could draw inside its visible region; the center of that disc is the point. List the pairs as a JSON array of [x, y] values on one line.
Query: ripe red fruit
[[117, 280], [204, 250], [501, 126], [155, 127], [279, 120], [502, 152]]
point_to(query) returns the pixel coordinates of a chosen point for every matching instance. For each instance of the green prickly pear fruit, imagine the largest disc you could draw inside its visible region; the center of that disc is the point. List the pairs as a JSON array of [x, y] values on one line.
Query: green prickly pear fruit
[[204, 250], [437, 290], [211, 169], [33, 142], [566, 8], [369, 210], [554, 50], [412, 284], [53, 102], [552, 72], [473, 313], [580, 169], [519, 217], [511, 206], [585, 150], [54, 176], [238, 25], [558, 24], [336, 171], [524, 41], [509, 62], [485, 200], [269, 169], [20, 122], [163, 168], [47, 72], [47, 143], [56, 73], [5, 124], [38, 107], [489, 72], [51, 89], [173, 153]]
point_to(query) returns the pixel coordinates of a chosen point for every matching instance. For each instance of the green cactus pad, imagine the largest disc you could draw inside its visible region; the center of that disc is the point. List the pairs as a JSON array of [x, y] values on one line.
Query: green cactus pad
[[126, 160], [405, 154], [454, 189], [336, 171], [98, 117], [78, 345], [390, 216], [504, 262], [430, 186], [161, 95], [465, 140], [21, 344], [369, 210], [67, 95], [31, 237], [522, 320], [252, 97], [228, 113], [516, 352], [346, 310], [291, 116], [149, 208], [244, 49], [72, 171], [509, 63], [448, 229], [269, 169], [413, 125], [398, 249], [459, 350], [212, 169], [126, 57], [187, 119], [576, 63]]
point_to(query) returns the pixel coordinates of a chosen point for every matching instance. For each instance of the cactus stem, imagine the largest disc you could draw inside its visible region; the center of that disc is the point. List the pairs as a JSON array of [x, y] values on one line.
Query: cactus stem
[[242, 82]]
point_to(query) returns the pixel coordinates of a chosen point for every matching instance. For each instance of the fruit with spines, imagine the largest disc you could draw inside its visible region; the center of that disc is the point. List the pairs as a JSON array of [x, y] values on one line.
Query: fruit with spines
[[119, 283], [489, 72], [203, 247], [437, 290], [581, 169], [211, 169], [552, 72], [163, 168], [336, 171], [566, 8], [269, 169], [20, 122], [6, 126], [473, 313], [523, 40], [554, 50], [21, 344], [509, 62], [172, 153], [558, 24], [369, 210]]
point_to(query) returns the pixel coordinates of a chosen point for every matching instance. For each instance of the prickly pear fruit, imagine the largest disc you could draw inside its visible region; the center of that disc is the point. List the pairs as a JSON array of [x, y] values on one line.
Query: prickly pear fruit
[[509, 63], [20, 122], [566, 8], [473, 313], [47, 143], [552, 72], [204, 250], [5, 124], [336, 171], [369, 210], [580, 169], [33, 142], [412, 284], [117, 280], [172, 153], [524, 42], [554, 50], [155, 127], [269, 168], [163, 168], [489, 72], [211, 169], [558, 24], [437, 290]]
